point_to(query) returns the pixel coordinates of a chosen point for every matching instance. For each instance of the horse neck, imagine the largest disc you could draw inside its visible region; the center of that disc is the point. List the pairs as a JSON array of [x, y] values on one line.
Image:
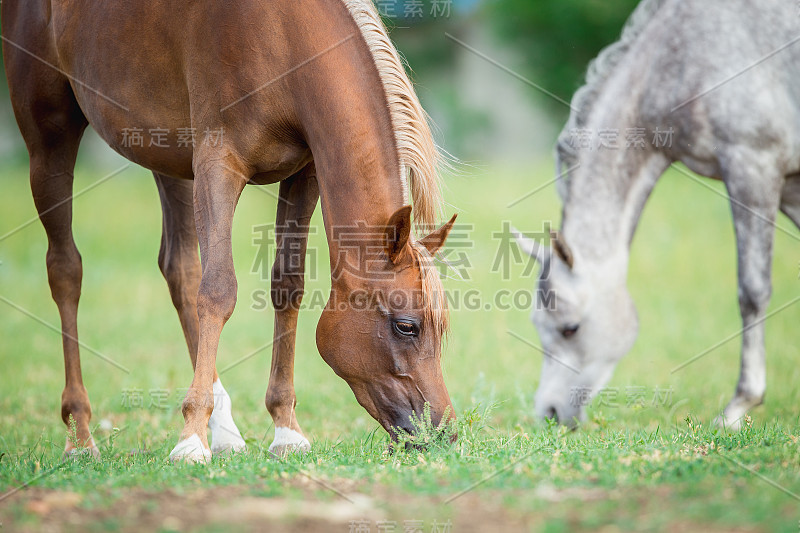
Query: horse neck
[[605, 198], [347, 124], [608, 190]]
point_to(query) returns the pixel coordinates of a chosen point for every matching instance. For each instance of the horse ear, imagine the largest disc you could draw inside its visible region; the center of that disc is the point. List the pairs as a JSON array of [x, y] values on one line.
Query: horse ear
[[435, 240], [561, 249], [530, 246], [397, 233]]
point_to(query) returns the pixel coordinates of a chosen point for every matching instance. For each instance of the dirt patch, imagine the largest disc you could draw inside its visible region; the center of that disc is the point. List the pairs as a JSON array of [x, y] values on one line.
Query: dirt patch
[[236, 508], [138, 510], [343, 505]]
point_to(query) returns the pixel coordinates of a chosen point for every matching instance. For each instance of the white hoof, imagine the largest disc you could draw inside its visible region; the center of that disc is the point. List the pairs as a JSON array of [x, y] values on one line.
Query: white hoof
[[735, 413], [222, 446], [288, 441], [72, 452], [190, 450], [225, 436], [732, 422]]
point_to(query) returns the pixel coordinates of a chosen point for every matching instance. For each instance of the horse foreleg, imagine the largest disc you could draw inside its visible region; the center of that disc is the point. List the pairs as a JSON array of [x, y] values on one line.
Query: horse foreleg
[[297, 200], [217, 188], [180, 265], [754, 192]]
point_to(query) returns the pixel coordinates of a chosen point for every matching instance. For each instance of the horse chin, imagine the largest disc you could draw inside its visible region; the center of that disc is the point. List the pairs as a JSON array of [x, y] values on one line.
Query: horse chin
[[400, 427], [570, 420], [574, 420], [570, 416], [411, 444]]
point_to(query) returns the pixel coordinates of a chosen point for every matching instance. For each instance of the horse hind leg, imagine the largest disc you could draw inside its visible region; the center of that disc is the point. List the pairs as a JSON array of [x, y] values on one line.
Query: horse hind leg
[[53, 141], [180, 265], [754, 188]]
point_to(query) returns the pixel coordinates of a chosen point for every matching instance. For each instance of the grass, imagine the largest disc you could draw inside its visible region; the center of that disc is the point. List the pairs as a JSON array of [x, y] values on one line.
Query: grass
[[647, 460]]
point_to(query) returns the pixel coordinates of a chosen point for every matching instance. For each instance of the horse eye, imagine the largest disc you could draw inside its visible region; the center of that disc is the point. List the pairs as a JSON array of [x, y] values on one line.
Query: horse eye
[[569, 331], [404, 327]]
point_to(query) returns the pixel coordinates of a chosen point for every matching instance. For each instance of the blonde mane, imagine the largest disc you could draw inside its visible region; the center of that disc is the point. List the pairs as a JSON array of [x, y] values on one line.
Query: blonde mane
[[419, 157], [434, 301]]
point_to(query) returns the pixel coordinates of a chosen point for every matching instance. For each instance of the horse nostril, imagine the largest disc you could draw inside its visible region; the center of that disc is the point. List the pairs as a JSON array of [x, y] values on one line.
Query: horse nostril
[[551, 413]]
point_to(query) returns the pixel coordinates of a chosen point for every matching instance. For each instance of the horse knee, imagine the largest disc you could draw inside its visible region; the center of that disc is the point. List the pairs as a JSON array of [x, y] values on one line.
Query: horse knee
[[287, 288], [64, 273], [754, 296], [216, 297]]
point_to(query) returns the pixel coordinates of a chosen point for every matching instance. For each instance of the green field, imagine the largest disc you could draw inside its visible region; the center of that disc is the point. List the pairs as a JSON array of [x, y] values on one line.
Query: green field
[[647, 460]]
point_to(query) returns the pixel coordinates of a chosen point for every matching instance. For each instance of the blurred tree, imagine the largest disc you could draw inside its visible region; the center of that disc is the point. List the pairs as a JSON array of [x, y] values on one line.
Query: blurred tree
[[417, 28], [558, 38]]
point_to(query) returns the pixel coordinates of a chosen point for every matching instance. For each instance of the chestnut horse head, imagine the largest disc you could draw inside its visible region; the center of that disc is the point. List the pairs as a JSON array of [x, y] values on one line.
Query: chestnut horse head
[[382, 329]]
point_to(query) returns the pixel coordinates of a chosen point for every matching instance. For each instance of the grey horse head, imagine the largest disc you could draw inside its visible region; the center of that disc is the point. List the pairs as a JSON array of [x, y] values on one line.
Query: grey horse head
[[586, 321]]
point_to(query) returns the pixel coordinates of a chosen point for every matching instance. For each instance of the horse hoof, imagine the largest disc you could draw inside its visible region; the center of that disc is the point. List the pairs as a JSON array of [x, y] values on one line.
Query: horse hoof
[[226, 441], [288, 441], [735, 414], [281, 451], [191, 451], [724, 422], [72, 452], [228, 448], [76, 453]]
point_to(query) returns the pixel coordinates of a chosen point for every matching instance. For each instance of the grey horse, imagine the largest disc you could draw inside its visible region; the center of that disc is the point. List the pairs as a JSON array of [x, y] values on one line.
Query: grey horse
[[714, 84]]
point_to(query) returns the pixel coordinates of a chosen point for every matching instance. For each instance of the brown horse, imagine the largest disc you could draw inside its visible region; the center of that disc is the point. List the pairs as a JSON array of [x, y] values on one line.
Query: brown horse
[[309, 93]]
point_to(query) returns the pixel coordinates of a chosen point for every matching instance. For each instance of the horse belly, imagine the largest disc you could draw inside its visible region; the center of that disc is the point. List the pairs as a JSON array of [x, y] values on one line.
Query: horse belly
[[127, 76]]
